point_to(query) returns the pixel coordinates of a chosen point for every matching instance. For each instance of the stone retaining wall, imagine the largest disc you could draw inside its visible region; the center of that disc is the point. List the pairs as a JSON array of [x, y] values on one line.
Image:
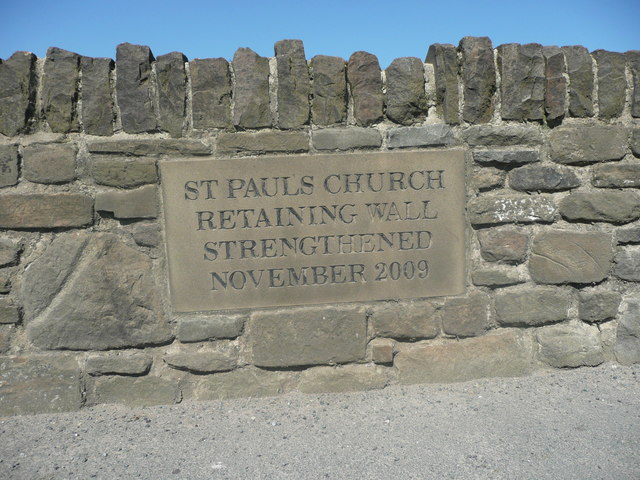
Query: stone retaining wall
[[552, 137]]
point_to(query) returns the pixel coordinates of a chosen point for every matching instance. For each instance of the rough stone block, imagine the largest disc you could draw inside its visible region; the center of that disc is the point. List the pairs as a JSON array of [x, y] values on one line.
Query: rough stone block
[[293, 84], [56, 210], [5, 337], [211, 93], [310, 336], [9, 252], [598, 306], [570, 345], [54, 163], [505, 354], [5, 280], [133, 391], [627, 263], [531, 307], [612, 83], [118, 364], [580, 70], [60, 90], [478, 79], [365, 80], [628, 235], [506, 157], [502, 136], [437, 135], [147, 234], [522, 81], [555, 97], [495, 277], [406, 99], [406, 320], [381, 350], [635, 141], [172, 92], [346, 138], [8, 165], [133, 88], [251, 94], [587, 144], [97, 104], [607, 206], [344, 378], [497, 209], [203, 360], [618, 175], [627, 348], [466, 316], [542, 178], [137, 203], [266, 141], [570, 257], [245, 382], [444, 59], [123, 172], [204, 328], [17, 92], [633, 61], [329, 90], [142, 147], [9, 313], [487, 178]]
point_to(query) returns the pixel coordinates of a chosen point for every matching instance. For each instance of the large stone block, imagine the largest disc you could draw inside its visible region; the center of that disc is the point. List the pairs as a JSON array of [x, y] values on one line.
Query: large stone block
[[466, 316], [133, 88], [437, 135], [478, 79], [97, 104], [60, 90], [503, 245], [531, 306], [56, 210], [627, 348], [343, 378], [627, 263], [497, 209], [123, 172], [406, 320], [502, 136], [616, 175], [570, 345], [555, 97], [580, 70], [138, 203], [204, 328], [522, 81], [612, 83], [133, 391], [53, 163], [17, 92], [266, 141], [444, 59], [245, 382], [172, 92], [329, 90], [598, 306], [310, 336], [613, 206], [251, 94], [346, 138], [121, 363], [587, 144], [8, 165], [487, 178], [293, 84], [365, 80], [542, 178], [211, 93], [406, 99], [142, 147]]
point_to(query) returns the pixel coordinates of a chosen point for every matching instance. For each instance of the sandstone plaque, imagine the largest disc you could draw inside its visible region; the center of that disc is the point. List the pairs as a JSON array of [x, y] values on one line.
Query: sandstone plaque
[[309, 229]]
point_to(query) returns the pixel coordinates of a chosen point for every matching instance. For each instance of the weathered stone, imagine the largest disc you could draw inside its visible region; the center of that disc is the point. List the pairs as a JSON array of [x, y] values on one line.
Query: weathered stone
[[522, 81], [172, 92], [478, 79], [531, 306], [343, 378], [633, 61], [8, 165], [5, 280], [542, 178], [487, 178], [19, 211], [466, 316], [570, 345], [607, 206], [555, 96], [307, 336], [618, 175], [612, 83], [561, 256], [5, 338], [147, 234], [580, 70], [203, 360], [293, 84], [39, 384], [211, 93], [346, 138], [495, 277], [92, 292], [204, 328], [60, 90], [133, 88], [266, 141], [251, 94], [587, 144], [123, 172], [628, 235], [142, 147], [119, 364], [405, 320], [9, 252], [598, 306], [54, 163], [444, 59], [138, 203], [635, 141], [381, 350], [437, 135], [502, 136], [9, 313], [496, 209], [505, 354], [627, 348], [365, 80], [133, 391], [17, 92], [506, 157], [245, 382], [627, 263], [329, 90], [406, 99], [97, 104]]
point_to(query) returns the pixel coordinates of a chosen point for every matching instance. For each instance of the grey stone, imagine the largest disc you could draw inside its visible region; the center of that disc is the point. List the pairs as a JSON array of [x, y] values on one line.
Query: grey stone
[[6, 332], [635, 141], [123, 172], [211, 93], [251, 94], [505, 354], [329, 90], [587, 144], [487, 178], [406, 99], [5, 280], [118, 364], [17, 92], [204, 328], [97, 104], [502, 136], [39, 384], [612, 83], [598, 306], [137, 203], [562, 256], [309, 336], [60, 90], [522, 69], [542, 178], [381, 350], [405, 320], [142, 147], [495, 277], [9, 252], [580, 70], [133, 88], [294, 85], [478, 79], [570, 345], [346, 138], [172, 92], [365, 80], [444, 59], [627, 348], [618, 175], [265, 141], [343, 378], [133, 391], [437, 135], [147, 234], [92, 292], [497, 209], [555, 96], [203, 360], [628, 235], [466, 316], [633, 61], [9, 313], [55, 210], [54, 163], [8, 165], [246, 382], [506, 157], [606, 206], [531, 307], [627, 263]]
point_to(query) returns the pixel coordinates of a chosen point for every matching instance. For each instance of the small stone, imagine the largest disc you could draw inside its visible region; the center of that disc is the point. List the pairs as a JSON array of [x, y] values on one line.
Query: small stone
[[502, 136], [142, 147], [329, 90], [133, 391], [531, 307], [542, 178], [628, 235], [137, 203], [587, 144], [118, 364], [365, 79], [633, 61], [133, 88], [467, 316], [487, 178], [437, 135], [265, 141], [60, 90], [172, 92], [494, 277], [54, 163], [346, 138], [344, 378], [618, 175], [205, 328], [97, 104], [9, 252], [9, 313], [598, 306], [211, 93], [381, 350], [8, 165], [635, 141], [580, 70], [627, 348], [405, 320], [123, 172], [607, 206], [506, 157], [293, 84], [444, 59], [56, 210], [555, 103], [503, 245], [478, 79], [203, 360], [17, 92], [5, 280], [5, 337], [245, 383], [406, 99], [627, 263], [522, 69], [251, 94], [147, 234], [612, 83], [497, 209], [570, 345]]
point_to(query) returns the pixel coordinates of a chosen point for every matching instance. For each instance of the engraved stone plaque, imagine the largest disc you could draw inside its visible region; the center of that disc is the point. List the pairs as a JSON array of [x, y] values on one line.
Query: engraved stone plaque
[[309, 229]]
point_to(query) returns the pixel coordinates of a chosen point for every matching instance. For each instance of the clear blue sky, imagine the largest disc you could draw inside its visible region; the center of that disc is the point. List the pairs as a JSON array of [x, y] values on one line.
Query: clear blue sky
[[395, 28]]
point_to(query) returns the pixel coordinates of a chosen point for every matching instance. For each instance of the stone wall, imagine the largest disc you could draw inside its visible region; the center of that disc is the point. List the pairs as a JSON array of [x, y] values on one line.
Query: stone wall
[[552, 141]]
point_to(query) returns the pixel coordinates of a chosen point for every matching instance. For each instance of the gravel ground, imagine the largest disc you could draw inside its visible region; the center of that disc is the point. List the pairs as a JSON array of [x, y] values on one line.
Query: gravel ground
[[572, 424]]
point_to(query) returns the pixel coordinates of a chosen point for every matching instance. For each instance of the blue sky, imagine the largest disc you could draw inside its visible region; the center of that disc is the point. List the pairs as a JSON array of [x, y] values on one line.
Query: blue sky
[[388, 29]]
